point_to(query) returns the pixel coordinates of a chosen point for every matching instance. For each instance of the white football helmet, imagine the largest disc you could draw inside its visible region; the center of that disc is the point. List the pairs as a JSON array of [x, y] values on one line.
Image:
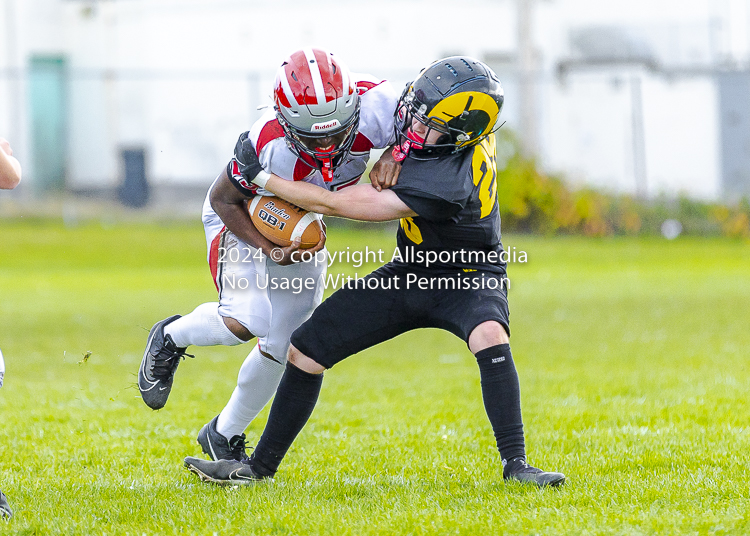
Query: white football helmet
[[317, 105]]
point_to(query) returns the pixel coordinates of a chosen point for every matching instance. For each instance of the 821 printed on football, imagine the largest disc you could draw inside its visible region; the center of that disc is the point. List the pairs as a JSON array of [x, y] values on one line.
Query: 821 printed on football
[[281, 222]]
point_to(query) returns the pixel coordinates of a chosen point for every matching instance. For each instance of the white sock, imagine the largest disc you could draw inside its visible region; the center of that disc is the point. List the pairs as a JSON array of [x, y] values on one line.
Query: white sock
[[257, 382], [203, 327]]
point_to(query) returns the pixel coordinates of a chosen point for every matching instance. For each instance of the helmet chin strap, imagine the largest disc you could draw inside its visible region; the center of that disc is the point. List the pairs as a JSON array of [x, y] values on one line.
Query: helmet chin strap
[[400, 152], [327, 163]]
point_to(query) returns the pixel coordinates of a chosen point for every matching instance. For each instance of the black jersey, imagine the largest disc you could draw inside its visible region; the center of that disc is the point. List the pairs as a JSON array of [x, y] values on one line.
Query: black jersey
[[458, 220]]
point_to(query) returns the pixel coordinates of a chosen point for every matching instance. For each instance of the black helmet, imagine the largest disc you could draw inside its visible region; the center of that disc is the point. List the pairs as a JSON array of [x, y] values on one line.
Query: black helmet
[[459, 97]]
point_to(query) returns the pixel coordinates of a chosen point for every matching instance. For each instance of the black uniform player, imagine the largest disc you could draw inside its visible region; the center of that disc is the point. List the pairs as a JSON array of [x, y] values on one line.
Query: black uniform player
[[449, 275]]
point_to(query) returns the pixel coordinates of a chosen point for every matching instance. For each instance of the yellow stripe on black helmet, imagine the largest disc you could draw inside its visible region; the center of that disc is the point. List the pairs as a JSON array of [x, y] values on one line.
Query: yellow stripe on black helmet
[[458, 96]]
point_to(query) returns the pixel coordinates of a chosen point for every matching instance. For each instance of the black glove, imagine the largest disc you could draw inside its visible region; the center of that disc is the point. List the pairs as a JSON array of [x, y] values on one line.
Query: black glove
[[244, 170], [247, 158]]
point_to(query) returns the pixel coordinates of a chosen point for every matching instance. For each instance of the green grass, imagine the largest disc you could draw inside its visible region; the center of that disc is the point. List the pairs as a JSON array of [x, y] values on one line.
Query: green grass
[[632, 354]]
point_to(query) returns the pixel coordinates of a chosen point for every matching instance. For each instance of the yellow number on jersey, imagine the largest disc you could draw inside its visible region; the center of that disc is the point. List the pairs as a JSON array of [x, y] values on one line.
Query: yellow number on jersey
[[411, 230], [484, 169]]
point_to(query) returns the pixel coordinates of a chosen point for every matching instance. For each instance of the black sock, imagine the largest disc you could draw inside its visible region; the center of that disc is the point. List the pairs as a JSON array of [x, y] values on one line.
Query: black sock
[[292, 406], [502, 399]]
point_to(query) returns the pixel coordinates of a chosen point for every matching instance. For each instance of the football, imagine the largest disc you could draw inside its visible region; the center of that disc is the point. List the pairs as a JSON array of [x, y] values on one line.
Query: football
[[281, 222]]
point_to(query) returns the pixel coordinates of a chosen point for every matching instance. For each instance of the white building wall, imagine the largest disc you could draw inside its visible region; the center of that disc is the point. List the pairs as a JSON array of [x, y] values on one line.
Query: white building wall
[[682, 137], [587, 132], [183, 78]]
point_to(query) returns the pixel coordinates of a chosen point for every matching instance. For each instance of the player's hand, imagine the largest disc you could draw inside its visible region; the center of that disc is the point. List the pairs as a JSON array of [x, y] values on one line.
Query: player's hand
[[293, 254], [385, 172], [288, 254], [5, 147], [321, 242]]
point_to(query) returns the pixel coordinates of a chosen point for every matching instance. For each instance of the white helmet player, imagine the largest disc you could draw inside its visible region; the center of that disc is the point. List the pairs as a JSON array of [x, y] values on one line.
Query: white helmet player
[[317, 105]]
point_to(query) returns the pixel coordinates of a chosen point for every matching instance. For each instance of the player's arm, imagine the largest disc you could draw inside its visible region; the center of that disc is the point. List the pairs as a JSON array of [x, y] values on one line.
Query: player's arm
[[10, 168], [359, 202], [230, 205], [229, 198]]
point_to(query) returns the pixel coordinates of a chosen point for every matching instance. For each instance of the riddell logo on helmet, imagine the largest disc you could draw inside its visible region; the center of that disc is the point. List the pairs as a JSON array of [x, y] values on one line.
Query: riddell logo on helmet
[[325, 126]]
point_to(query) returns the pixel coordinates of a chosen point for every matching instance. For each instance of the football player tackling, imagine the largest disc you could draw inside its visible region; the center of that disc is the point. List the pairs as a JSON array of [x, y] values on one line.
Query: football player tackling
[[446, 200], [324, 123]]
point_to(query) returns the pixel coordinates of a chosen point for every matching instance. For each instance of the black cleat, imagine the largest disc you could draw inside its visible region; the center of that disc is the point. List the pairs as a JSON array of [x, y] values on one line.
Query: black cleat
[[159, 364], [517, 469], [224, 472], [218, 447], [5, 511]]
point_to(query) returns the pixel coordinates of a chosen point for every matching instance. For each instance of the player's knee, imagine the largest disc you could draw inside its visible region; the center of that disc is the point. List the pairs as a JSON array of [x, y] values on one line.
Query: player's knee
[[247, 328], [302, 362], [237, 329], [487, 334]]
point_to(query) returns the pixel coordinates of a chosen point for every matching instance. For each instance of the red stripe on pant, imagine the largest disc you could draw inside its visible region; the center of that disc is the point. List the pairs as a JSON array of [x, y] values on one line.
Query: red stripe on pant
[[213, 257]]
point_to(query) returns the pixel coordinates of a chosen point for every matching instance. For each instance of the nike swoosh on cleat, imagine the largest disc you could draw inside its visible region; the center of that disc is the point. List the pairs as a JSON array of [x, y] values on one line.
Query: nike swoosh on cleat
[[234, 476], [214, 457], [151, 384], [144, 360]]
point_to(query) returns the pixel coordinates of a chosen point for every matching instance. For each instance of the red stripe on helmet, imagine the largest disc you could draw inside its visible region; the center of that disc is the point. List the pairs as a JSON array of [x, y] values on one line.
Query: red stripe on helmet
[[298, 74], [280, 95], [330, 73]]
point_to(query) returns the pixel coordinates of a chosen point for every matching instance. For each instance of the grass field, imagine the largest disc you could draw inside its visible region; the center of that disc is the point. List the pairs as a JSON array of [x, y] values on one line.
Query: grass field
[[632, 353]]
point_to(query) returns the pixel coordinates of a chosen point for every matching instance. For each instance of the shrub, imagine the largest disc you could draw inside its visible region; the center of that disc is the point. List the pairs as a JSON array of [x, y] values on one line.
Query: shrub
[[534, 202]]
